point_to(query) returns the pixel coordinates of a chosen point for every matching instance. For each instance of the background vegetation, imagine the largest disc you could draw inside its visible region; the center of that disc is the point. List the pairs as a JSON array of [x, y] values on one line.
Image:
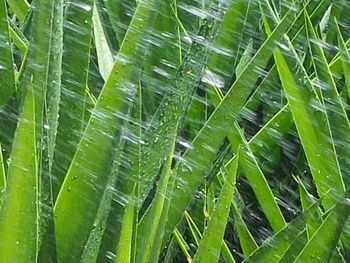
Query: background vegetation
[[174, 131]]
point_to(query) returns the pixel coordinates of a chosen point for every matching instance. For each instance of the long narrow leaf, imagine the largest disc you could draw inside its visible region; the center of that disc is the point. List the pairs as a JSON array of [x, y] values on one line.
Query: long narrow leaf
[[345, 59], [147, 229], [75, 64], [323, 243], [275, 247], [124, 250], [246, 239], [104, 53], [221, 123], [337, 116], [20, 7], [2, 176], [7, 73], [210, 246], [166, 122], [82, 189], [312, 126], [19, 212]]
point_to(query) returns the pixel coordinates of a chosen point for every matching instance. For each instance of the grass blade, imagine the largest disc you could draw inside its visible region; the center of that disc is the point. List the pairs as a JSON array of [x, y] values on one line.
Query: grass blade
[[296, 247], [19, 7], [54, 80], [337, 116], [246, 239], [120, 13], [197, 235], [229, 41], [221, 120], [19, 213], [306, 202], [210, 246], [312, 126], [2, 176], [125, 246], [151, 221], [249, 165], [157, 76], [323, 243], [52, 100], [166, 122], [94, 242], [324, 168], [83, 188], [35, 77], [7, 72], [75, 64], [183, 245], [275, 247], [345, 59], [104, 54], [19, 41]]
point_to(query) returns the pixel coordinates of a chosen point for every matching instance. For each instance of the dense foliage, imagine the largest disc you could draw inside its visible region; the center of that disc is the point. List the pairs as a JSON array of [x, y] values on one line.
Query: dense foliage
[[174, 131]]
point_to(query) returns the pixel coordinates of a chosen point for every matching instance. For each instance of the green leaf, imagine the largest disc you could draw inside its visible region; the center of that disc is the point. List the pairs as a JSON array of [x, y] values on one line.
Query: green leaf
[[2, 176], [197, 235], [230, 44], [296, 247], [276, 246], [246, 57], [218, 126], [311, 124], [157, 245], [336, 113], [336, 63], [82, 189], [183, 245], [323, 243], [246, 239], [345, 59], [93, 244], [338, 9], [249, 165], [7, 73], [75, 65], [19, 41], [120, 13], [157, 76], [307, 201], [269, 136], [150, 222], [51, 108], [104, 53], [166, 122], [19, 7], [210, 245], [125, 247], [35, 77], [54, 80], [19, 212]]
